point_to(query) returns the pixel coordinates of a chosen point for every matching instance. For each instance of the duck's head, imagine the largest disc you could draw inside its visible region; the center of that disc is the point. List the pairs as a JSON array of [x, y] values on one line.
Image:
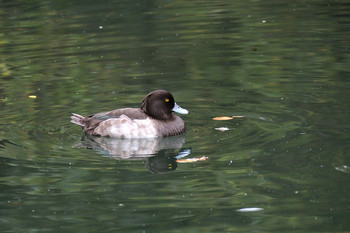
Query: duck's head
[[160, 104]]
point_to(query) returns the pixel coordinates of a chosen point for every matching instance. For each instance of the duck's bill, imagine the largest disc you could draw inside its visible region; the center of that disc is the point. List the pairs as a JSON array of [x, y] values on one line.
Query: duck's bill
[[180, 110]]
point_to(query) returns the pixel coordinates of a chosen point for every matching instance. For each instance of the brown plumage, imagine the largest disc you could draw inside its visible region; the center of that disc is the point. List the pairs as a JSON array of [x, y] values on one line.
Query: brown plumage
[[155, 118]]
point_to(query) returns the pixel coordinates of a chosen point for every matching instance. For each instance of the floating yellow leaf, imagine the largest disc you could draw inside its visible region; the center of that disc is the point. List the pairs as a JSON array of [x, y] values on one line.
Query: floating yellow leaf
[[226, 118], [32, 96], [192, 160], [223, 118]]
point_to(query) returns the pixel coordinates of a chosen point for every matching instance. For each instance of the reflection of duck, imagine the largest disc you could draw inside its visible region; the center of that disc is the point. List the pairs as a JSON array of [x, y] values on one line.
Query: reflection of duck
[[161, 153], [131, 148], [155, 118]]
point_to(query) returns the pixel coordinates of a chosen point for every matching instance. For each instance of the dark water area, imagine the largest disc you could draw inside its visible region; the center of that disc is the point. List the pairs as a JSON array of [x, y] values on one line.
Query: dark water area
[[283, 167]]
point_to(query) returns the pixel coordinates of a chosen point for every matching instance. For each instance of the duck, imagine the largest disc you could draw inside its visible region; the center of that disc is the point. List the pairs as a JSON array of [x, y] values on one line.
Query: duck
[[155, 118]]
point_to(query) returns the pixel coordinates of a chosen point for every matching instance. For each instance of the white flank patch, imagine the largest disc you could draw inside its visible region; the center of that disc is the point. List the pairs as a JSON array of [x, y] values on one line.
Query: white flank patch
[[124, 127]]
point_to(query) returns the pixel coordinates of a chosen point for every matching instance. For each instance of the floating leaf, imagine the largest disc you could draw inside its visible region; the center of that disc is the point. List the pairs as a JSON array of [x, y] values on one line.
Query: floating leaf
[[192, 160], [251, 209], [222, 129], [225, 118], [32, 96]]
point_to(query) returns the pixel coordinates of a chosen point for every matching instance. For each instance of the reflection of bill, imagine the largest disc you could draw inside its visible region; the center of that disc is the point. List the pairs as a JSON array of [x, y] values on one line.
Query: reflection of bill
[[162, 154]]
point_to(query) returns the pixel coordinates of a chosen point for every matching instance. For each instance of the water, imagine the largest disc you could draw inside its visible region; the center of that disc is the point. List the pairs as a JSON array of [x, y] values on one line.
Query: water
[[283, 167]]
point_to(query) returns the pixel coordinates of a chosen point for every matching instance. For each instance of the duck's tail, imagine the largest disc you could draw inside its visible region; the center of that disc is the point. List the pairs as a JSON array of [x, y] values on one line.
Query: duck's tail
[[77, 119]]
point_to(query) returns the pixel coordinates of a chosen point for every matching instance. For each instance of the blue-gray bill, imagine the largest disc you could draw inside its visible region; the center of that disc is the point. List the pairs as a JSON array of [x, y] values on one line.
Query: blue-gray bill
[[180, 110]]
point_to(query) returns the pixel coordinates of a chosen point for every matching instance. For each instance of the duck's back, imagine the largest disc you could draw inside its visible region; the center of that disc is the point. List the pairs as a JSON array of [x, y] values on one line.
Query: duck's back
[[132, 113]]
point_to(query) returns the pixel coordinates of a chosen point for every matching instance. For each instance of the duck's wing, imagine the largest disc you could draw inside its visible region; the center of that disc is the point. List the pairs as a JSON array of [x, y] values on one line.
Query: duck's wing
[[89, 123]]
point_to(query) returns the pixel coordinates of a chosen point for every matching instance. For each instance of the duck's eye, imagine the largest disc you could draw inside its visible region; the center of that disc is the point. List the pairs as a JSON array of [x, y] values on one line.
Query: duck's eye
[[167, 100]]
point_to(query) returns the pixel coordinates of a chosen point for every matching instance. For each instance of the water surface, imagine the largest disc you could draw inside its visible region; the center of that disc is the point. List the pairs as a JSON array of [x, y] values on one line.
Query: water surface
[[283, 167]]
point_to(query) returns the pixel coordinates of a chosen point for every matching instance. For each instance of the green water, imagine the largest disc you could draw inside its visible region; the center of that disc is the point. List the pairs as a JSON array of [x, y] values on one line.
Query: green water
[[283, 167]]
